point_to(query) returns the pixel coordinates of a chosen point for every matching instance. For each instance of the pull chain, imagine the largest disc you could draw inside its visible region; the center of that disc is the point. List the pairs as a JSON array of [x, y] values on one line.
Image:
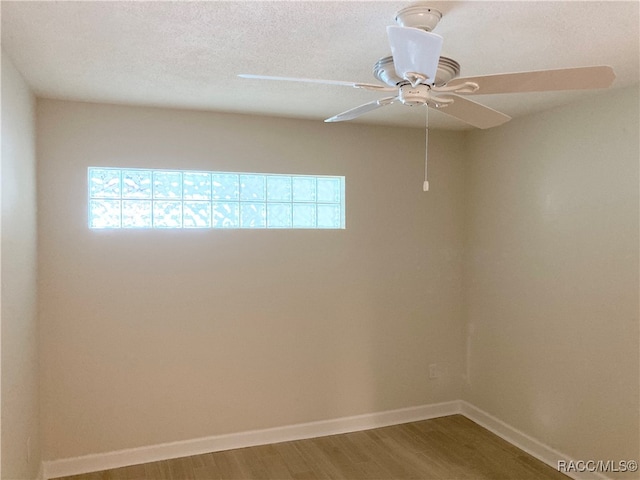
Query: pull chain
[[425, 185]]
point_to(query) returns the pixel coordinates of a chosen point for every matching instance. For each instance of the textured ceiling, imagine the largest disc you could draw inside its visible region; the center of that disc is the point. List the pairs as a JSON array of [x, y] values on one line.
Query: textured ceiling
[[188, 54]]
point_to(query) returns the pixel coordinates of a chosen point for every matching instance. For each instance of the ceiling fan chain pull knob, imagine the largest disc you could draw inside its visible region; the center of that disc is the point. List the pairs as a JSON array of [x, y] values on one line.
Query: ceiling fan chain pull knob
[[425, 184]]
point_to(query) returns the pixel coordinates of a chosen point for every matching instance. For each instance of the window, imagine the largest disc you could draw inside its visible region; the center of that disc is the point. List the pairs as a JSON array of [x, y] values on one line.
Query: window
[[137, 198]]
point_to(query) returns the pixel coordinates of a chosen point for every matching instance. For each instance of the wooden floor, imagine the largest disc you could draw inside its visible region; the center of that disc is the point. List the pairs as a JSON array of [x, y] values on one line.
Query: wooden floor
[[450, 447]]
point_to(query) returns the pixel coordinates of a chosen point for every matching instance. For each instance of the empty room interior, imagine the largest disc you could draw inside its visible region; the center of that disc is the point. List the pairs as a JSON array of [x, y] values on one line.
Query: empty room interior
[[209, 271]]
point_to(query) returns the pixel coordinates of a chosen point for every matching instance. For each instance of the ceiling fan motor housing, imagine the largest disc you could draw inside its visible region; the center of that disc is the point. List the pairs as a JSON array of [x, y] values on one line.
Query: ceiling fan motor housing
[[384, 70], [418, 16]]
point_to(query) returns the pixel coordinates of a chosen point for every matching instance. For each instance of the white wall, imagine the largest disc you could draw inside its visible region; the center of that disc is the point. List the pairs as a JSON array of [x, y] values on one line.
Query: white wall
[[157, 336], [552, 276], [19, 354], [151, 336]]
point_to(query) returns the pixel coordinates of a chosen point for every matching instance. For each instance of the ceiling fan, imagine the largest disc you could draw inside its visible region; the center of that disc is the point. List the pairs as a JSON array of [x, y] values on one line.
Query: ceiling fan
[[417, 74]]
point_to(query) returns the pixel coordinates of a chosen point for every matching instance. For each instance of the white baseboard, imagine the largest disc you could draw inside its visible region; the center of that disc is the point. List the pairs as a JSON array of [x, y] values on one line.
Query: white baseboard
[[165, 451], [533, 447]]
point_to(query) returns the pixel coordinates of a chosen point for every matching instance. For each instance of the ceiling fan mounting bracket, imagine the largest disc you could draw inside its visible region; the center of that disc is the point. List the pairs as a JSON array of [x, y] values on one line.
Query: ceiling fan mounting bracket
[[419, 16], [414, 95], [466, 87]]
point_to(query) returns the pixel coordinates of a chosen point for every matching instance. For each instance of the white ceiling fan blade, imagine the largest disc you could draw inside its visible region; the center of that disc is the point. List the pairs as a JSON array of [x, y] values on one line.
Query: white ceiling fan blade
[[473, 113], [581, 78], [361, 110], [414, 51], [366, 86]]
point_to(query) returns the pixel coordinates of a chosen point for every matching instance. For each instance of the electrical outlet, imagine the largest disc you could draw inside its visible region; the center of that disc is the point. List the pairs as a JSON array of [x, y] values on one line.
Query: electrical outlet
[[433, 371]]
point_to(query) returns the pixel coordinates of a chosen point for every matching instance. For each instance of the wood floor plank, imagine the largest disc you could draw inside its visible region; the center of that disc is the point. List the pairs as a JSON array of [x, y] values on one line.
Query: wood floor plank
[[306, 476], [293, 458], [442, 448], [229, 468], [248, 458], [338, 457], [276, 467], [159, 470], [207, 472], [266, 451], [321, 466], [375, 441]]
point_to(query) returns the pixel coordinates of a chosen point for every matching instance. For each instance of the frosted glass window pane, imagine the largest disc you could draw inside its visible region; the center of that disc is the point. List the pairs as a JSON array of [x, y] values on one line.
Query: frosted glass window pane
[[329, 190], [196, 215], [253, 215], [304, 189], [225, 215], [252, 187], [278, 188], [136, 214], [167, 185], [167, 214], [196, 186], [226, 186], [279, 215], [304, 216], [329, 216], [104, 213], [104, 183], [136, 184], [143, 198]]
